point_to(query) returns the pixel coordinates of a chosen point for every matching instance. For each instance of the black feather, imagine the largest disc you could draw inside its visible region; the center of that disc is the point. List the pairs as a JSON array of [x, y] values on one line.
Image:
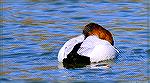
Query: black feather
[[74, 60]]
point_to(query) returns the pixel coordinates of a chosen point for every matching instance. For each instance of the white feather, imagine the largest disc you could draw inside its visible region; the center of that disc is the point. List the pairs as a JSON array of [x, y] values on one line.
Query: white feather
[[68, 46]]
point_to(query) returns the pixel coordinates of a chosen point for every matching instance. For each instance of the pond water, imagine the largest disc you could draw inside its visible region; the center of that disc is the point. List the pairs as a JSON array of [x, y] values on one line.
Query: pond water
[[33, 31]]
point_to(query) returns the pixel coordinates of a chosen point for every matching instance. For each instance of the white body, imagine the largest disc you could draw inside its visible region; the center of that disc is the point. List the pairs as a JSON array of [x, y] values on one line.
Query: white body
[[93, 47]]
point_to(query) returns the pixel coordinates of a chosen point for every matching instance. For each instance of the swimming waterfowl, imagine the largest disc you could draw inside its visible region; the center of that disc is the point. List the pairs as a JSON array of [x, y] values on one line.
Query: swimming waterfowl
[[94, 45]]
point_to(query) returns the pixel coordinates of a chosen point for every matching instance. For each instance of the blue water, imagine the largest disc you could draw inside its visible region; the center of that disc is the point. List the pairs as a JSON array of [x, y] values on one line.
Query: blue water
[[33, 31]]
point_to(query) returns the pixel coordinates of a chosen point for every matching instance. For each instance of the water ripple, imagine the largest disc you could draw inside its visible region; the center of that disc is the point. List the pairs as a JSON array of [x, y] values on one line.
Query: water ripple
[[33, 31]]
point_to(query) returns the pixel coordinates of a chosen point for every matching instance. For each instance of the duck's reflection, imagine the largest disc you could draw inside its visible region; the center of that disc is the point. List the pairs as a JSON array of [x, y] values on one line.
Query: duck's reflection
[[100, 65]]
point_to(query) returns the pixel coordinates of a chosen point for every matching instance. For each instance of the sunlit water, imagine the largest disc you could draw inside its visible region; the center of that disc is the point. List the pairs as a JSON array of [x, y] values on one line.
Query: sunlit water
[[33, 31]]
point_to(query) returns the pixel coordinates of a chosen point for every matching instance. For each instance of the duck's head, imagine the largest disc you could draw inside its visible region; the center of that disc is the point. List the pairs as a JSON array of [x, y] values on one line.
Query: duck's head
[[95, 29]]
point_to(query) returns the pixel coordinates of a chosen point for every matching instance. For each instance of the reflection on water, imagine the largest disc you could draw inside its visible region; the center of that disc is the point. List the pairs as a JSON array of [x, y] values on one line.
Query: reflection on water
[[33, 31], [100, 65]]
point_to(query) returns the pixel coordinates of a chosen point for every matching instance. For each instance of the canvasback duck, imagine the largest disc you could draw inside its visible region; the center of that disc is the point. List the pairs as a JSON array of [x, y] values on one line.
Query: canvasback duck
[[94, 45]]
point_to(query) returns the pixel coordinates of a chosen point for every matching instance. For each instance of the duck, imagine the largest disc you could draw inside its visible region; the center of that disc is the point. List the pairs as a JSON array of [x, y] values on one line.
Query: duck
[[95, 44]]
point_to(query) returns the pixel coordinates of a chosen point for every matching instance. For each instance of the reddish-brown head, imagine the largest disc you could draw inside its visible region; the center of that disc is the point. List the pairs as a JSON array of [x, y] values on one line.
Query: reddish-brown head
[[95, 29]]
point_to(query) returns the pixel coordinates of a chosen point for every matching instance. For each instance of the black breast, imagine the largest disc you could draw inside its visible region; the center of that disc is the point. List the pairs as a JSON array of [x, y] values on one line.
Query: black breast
[[74, 60]]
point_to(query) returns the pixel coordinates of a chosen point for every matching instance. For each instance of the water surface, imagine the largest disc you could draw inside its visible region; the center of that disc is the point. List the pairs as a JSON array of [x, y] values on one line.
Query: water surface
[[33, 31]]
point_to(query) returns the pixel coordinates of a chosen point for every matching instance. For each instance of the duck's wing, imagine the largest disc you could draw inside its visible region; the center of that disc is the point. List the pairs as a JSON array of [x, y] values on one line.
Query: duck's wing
[[68, 46], [88, 45], [102, 52], [97, 49]]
